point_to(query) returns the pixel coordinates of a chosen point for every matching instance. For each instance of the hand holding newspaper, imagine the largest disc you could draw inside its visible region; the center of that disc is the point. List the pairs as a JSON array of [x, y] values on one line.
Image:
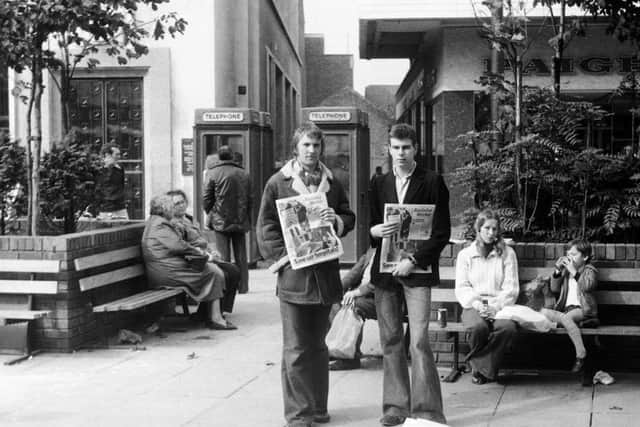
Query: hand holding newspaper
[[308, 238], [415, 227]]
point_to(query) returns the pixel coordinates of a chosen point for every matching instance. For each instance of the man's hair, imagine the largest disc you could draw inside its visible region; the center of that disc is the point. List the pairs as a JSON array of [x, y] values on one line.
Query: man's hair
[[108, 149], [178, 192], [162, 205], [583, 246], [225, 153], [403, 131], [309, 130]]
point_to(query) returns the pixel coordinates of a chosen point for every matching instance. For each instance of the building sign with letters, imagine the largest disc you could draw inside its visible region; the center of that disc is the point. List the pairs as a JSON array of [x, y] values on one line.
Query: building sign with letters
[[330, 116], [222, 116], [187, 157], [590, 65]]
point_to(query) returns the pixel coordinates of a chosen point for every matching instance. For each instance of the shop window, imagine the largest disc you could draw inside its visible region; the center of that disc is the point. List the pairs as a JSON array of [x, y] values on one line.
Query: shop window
[[110, 111], [4, 100]]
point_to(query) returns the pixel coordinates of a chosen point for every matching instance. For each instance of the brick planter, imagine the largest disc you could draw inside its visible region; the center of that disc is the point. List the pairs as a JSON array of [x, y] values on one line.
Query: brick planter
[[72, 322], [547, 351]]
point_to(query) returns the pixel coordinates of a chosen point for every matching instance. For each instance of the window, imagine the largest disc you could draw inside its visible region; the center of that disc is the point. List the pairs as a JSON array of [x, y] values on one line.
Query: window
[[109, 111], [283, 104], [4, 100]]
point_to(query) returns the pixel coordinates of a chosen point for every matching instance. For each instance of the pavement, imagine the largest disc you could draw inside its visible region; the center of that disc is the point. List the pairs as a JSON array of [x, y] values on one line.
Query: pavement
[[232, 379]]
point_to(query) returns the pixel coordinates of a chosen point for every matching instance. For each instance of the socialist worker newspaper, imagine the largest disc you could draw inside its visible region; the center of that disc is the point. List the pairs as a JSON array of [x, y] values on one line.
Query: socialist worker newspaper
[[309, 239], [415, 227]]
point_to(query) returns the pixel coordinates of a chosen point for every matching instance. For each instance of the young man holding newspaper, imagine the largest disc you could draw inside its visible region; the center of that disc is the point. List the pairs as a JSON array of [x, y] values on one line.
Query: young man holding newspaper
[[307, 292], [408, 184]]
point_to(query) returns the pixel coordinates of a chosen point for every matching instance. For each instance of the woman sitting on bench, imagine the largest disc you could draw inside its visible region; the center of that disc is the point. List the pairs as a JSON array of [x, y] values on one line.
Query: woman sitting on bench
[[171, 261], [486, 281]]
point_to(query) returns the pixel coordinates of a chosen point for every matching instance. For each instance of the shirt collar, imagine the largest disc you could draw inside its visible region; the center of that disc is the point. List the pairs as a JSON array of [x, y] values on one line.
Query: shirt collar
[[411, 171], [475, 252]]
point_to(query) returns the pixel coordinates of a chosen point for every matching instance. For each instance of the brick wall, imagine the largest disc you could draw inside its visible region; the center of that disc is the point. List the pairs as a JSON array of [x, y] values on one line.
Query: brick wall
[[72, 321], [555, 351]]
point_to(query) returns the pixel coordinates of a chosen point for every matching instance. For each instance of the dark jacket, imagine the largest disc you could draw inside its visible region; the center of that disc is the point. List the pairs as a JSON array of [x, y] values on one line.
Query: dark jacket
[[316, 284], [425, 187], [227, 197], [110, 189], [587, 283]]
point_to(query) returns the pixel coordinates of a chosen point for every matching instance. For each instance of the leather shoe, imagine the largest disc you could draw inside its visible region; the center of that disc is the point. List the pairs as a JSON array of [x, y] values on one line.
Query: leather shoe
[[392, 420], [220, 326], [478, 378], [321, 418], [578, 366], [344, 364]]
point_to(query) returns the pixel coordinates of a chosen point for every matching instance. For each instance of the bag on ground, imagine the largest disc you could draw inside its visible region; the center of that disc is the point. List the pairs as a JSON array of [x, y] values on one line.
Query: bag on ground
[[343, 334], [526, 318]]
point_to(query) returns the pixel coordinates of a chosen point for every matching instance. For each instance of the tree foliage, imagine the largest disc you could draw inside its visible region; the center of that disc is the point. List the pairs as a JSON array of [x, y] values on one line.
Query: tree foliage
[[57, 35]]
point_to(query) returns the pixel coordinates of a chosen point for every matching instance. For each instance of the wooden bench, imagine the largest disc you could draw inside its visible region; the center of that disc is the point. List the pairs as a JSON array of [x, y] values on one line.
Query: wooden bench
[[622, 277], [16, 300], [108, 269]]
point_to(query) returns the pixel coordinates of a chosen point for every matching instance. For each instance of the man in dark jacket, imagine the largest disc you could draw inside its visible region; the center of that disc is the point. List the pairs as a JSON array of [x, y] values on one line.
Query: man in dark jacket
[[305, 294], [227, 202], [408, 184], [110, 186]]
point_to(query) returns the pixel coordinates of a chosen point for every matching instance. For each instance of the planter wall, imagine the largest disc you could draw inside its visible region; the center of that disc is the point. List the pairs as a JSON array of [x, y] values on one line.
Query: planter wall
[[547, 351], [72, 321]]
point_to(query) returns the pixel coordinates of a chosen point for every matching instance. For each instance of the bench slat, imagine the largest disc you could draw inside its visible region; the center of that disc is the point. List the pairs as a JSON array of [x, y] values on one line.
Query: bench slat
[[105, 258], [109, 277], [48, 287], [23, 314], [29, 266], [602, 297], [526, 274], [618, 297], [136, 301], [607, 330]]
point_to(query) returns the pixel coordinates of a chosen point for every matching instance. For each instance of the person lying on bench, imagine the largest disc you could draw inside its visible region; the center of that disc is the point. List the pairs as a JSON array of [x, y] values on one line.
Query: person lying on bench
[[358, 291], [574, 282], [486, 281], [172, 262]]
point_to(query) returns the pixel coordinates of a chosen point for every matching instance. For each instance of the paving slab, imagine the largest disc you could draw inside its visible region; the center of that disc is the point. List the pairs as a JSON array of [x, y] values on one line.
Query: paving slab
[[232, 378]]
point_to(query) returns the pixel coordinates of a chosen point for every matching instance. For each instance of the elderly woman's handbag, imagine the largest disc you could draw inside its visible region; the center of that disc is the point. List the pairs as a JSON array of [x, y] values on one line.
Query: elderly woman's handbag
[[197, 262]]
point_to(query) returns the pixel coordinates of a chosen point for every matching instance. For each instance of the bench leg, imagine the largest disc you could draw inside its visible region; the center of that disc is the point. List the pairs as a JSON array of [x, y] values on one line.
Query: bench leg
[[456, 371]]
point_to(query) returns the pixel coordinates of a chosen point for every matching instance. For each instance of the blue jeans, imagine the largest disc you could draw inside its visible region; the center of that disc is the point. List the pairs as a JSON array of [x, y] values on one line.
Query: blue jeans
[[422, 397], [305, 361]]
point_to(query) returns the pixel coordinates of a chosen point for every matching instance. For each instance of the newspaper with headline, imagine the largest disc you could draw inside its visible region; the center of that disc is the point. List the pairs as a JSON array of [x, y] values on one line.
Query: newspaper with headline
[[308, 238], [415, 227]]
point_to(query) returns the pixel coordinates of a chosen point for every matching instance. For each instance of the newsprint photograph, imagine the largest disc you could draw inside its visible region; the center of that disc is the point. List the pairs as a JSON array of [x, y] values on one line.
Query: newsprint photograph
[[352, 213]]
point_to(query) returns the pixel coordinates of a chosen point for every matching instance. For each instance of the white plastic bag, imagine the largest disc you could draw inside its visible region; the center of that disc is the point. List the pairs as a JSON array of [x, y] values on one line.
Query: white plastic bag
[[343, 334], [526, 318]]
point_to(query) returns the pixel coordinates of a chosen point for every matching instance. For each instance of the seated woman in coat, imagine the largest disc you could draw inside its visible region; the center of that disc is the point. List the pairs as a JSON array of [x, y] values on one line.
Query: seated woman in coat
[[164, 249], [193, 235], [486, 281]]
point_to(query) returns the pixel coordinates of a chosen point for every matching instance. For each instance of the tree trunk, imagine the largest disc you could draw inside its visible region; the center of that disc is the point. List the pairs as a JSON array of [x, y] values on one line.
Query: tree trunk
[[559, 51], [36, 149], [497, 67], [28, 159], [517, 130]]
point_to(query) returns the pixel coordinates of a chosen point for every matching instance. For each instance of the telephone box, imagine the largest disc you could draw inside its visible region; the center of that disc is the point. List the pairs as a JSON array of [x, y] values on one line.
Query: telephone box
[[246, 132], [346, 153]]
